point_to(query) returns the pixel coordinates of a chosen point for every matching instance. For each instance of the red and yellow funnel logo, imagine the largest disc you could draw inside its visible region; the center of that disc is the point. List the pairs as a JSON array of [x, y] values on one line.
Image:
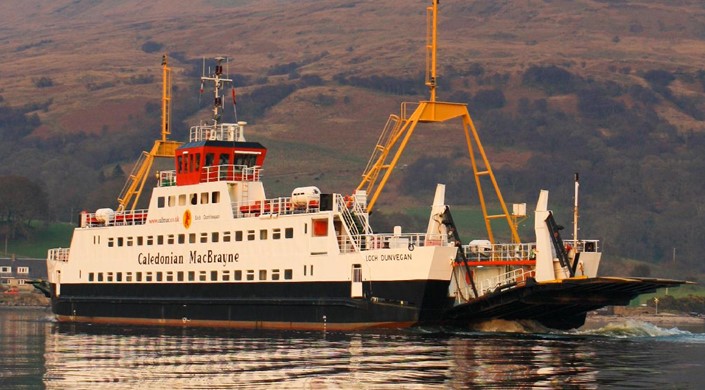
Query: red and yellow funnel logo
[[187, 219]]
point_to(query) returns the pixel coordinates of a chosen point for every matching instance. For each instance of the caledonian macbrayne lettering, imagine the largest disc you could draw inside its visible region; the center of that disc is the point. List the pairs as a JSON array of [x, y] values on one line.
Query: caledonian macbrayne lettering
[[209, 257], [393, 257]]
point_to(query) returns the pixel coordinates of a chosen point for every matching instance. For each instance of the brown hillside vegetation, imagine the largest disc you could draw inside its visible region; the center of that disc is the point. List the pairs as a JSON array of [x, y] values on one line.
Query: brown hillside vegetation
[[99, 43]]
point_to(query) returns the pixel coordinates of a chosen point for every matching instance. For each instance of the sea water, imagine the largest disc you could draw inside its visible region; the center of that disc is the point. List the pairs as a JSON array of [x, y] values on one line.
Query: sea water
[[36, 352]]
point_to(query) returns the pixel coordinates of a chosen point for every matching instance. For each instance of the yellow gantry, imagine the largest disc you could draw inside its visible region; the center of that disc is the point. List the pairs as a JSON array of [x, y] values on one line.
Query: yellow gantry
[[132, 190], [399, 129]]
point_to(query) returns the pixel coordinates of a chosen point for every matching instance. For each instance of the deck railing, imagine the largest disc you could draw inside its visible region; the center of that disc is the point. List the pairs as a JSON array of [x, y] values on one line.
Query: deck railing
[[507, 278], [107, 217], [220, 132], [406, 241]]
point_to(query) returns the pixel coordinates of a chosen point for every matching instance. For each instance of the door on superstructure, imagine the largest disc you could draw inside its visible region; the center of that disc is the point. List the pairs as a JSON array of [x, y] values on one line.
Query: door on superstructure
[[356, 281]]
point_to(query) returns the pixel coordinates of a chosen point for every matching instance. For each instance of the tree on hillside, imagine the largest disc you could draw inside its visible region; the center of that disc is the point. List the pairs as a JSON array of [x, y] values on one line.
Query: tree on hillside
[[21, 202]]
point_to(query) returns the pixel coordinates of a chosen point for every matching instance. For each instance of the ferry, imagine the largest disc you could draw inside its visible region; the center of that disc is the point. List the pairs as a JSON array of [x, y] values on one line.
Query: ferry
[[212, 249]]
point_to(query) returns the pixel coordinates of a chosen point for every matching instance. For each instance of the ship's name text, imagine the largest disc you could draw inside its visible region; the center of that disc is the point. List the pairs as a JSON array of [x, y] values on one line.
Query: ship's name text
[[392, 257], [208, 257]]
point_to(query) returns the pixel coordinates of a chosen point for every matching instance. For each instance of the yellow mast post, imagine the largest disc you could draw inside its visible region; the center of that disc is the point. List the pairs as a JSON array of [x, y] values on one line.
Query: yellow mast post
[[164, 148], [432, 111]]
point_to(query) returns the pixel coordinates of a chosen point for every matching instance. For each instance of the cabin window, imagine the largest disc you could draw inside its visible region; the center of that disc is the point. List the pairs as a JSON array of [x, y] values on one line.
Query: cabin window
[[148, 277], [263, 274], [288, 274], [305, 228], [250, 275], [159, 276], [204, 238], [215, 197], [248, 160], [194, 199], [118, 277], [172, 201], [214, 276], [226, 236], [180, 276], [191, 276], [237, 275], [202, 276], [150, 240], [128, 276], [160, 240], [276, 234], [320, 227], [204, 198], [160, 202], [110, 242], [182, 200], [289, 233], [209, 159], [100, 276], [198, 161], [140, 241], [215, 237], [182, 238], [129, 241], [192, 238], [170, 276], [226, 275], [138, 276], [263, 234], [250, 235], [275, 274], [191, 165], [224, 159], [170, 239], [90, 276], [238, 235], [179, 161], [120, 241]]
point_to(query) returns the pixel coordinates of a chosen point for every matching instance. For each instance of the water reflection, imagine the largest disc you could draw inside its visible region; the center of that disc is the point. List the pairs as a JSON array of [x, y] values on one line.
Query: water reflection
[[38, 353]]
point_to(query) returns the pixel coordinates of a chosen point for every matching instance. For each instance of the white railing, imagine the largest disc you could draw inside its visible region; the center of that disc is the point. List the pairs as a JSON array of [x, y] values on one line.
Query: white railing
[[107, 217], [219, 132], [58, 254], [513, 276], [216, 173], [280, 206], [230, 173], [406, 241], [515, 252], [500, 252]]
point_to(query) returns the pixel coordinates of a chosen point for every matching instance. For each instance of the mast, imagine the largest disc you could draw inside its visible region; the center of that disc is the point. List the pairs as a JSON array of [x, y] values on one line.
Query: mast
[[431, 39], [166, 98], [575, 213], [218, 83], [163, 148]]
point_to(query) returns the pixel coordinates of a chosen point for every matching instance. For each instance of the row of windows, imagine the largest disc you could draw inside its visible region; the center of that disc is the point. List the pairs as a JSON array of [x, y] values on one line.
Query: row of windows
[[192, 198], [192, 162], [8, 270], [190, 276], [192, 238]]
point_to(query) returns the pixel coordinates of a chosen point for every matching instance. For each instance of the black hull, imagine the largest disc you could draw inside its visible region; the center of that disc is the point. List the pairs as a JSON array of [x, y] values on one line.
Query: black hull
[[558, 305], [313, 306]]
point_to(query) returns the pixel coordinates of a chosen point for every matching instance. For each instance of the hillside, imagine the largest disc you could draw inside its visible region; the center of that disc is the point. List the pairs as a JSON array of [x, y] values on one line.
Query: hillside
[[611, 88]]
